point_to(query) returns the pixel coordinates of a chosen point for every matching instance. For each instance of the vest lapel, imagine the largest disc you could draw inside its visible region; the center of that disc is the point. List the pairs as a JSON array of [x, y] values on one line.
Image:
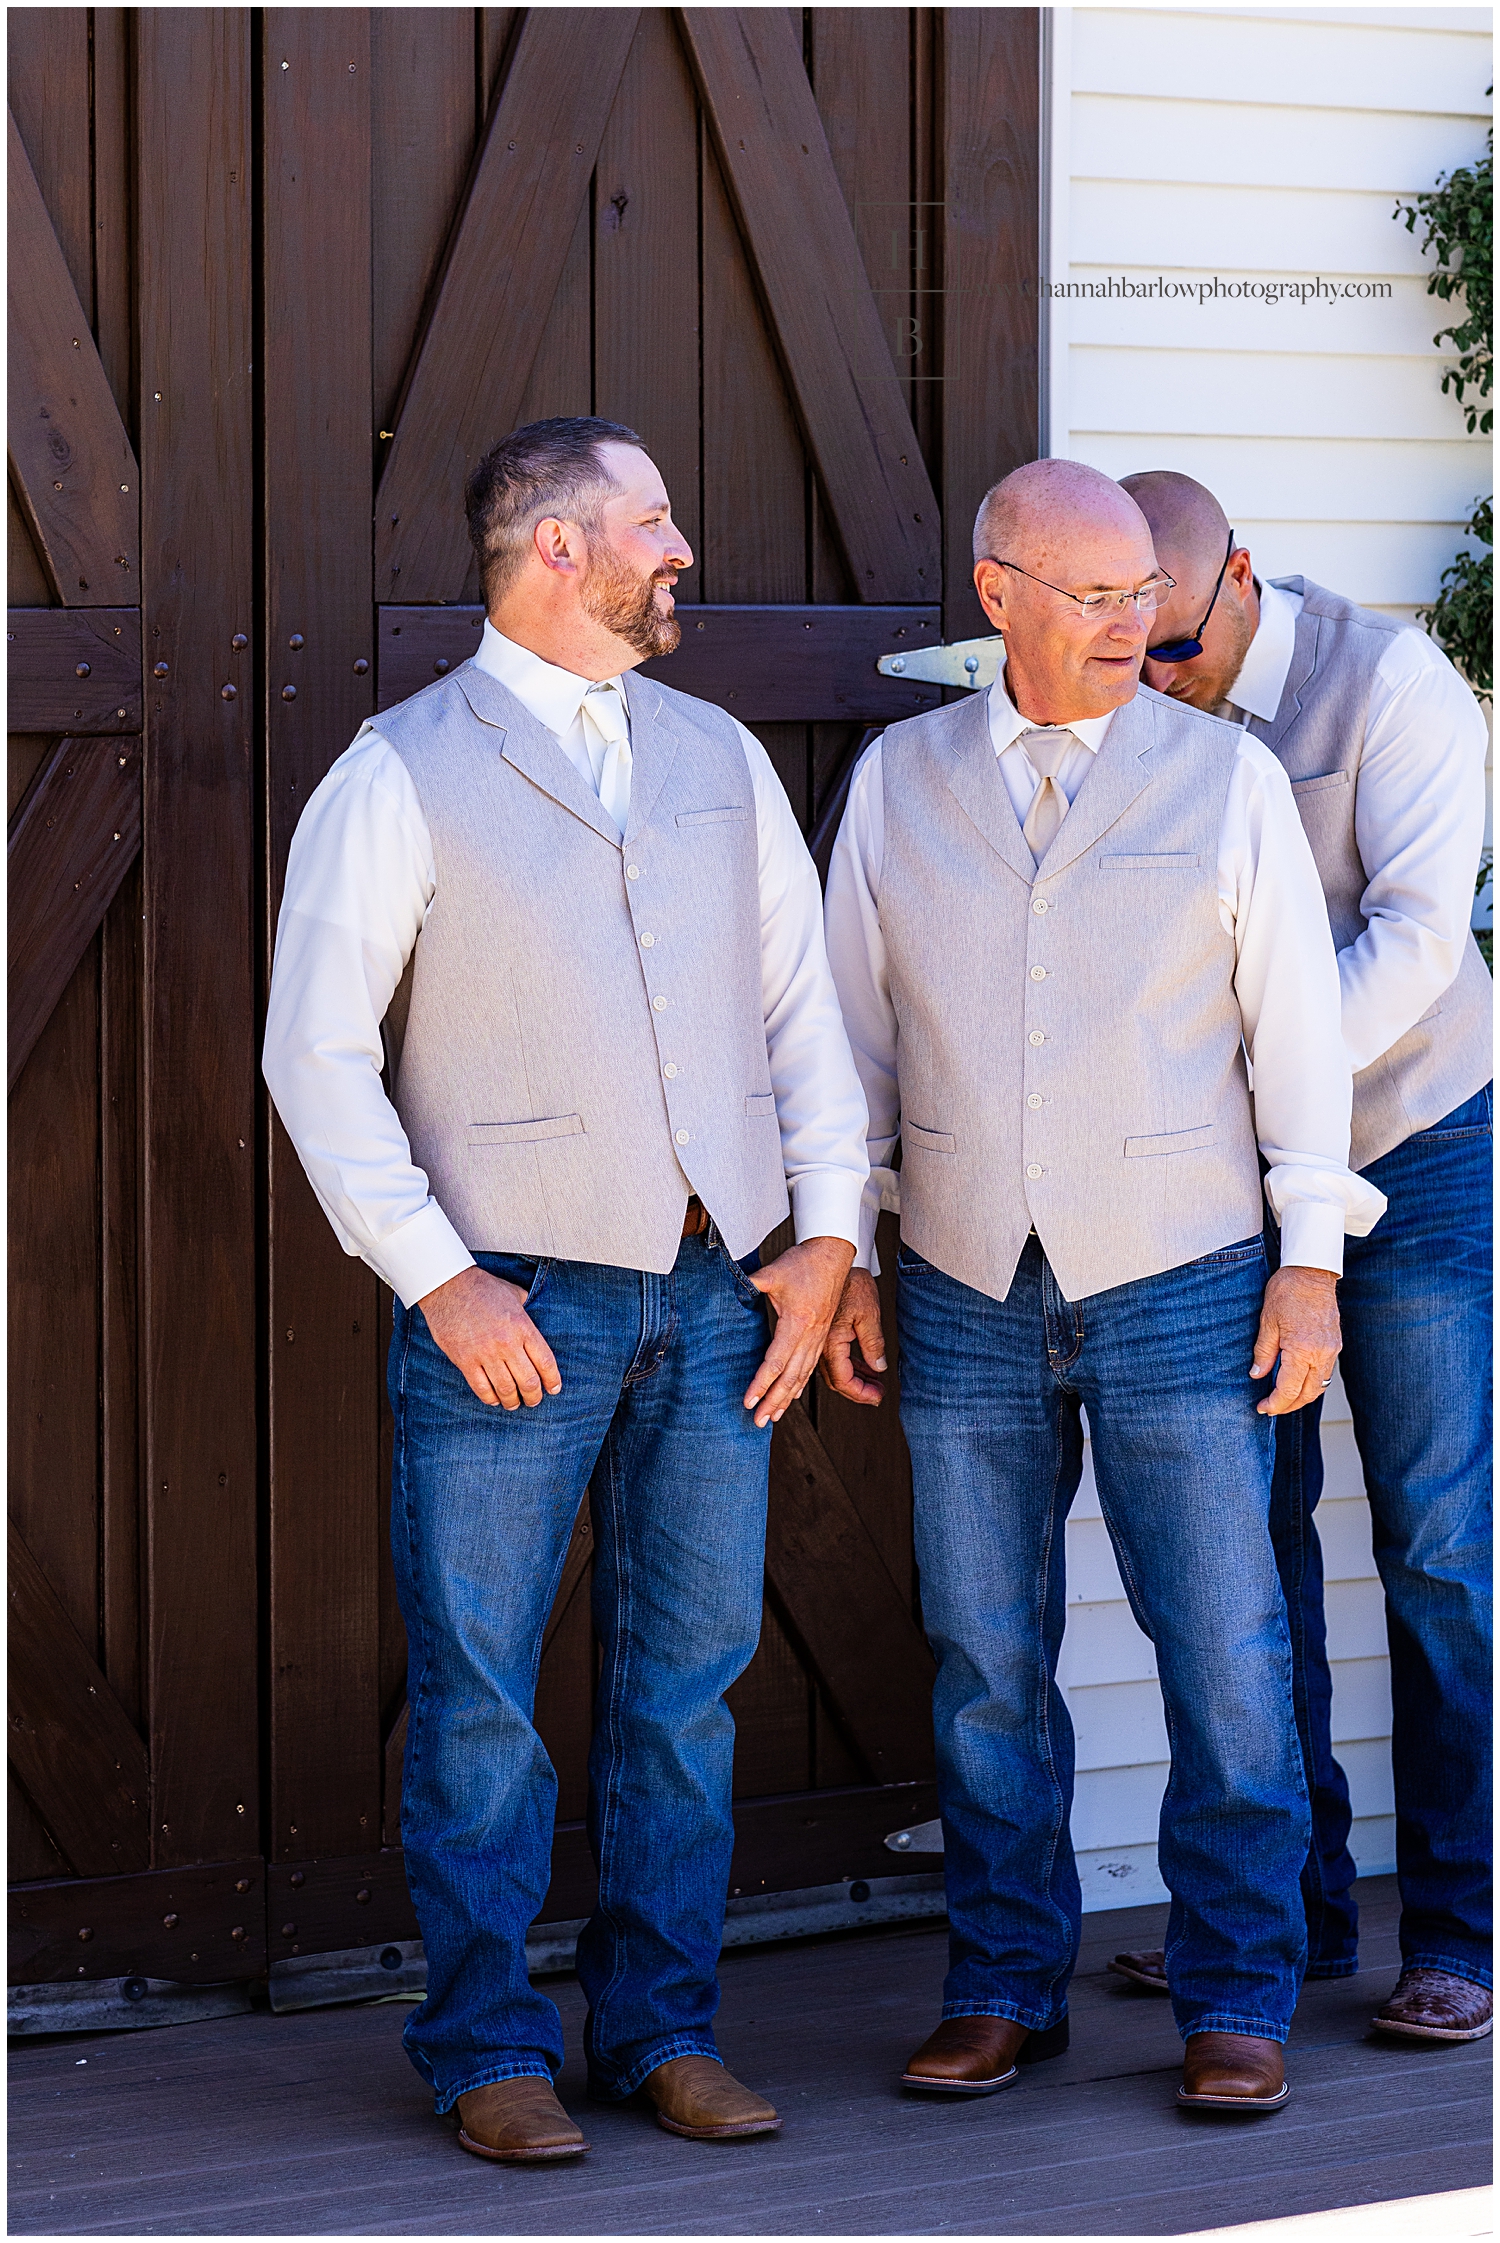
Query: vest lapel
[[1117, 777], [652, 749], [975, 782], [531, 748], [1298, 678]]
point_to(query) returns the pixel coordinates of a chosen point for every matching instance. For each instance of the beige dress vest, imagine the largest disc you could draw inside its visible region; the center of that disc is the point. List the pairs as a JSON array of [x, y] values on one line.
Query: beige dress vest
[[585, 1035], [1318, 732], [1069, 1041]]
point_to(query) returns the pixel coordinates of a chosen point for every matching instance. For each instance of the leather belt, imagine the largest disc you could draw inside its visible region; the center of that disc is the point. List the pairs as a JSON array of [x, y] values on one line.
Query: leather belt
[[695, 1221]]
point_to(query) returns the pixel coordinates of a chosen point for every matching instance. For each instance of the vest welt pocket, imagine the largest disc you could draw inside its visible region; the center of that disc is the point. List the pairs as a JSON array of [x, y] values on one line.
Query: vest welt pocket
[[1171, 861], [731, 814], [927, 1140], [1177, 1141], [1319, 784], [525, 1132], [760, 1105]]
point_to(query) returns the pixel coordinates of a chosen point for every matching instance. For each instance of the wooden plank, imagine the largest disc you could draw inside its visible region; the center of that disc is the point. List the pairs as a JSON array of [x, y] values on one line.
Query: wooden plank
[[122, 1484], [866, 1447], [472, 364], [990, 91], [194, 156], [827, 1575], [196, 1927], [70, 457], [322, 1337], [771, 1705], [114, 321], [315, 1907], [74, 669], [52, 1394], [764, 664], [860, 67], [72, 844], [71, 1744], [786, 193], [48, 86], [422, 118], [646, 286]]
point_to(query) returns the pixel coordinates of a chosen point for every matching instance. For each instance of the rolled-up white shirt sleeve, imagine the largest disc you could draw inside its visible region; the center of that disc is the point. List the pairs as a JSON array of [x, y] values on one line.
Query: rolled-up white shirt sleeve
[[1419, 828], [1286, 979], [359, 880], [819, 1104], [857, 954]]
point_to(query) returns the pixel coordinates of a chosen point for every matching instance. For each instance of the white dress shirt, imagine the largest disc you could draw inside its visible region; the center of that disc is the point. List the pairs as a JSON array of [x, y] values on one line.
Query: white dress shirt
[[360, 882], [1418, 821], [1270, 903]]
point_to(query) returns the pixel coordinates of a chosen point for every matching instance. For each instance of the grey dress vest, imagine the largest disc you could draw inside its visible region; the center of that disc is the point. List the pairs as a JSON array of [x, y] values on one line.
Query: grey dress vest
[[1318, 732], [584, 1036], [1069, 1043]]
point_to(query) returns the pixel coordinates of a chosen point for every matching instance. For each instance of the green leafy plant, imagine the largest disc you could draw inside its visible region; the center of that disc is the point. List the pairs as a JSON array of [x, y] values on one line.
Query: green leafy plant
[[1458, 217], [1459, 228], [1461, 618]]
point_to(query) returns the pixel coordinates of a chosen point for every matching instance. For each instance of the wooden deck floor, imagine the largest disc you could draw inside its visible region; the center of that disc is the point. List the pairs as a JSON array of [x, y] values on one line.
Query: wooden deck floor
[[314, 2124]]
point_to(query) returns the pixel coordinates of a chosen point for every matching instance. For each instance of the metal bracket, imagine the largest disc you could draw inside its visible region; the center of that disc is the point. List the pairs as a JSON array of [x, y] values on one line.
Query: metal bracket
[[919, 1838], [974, 663]]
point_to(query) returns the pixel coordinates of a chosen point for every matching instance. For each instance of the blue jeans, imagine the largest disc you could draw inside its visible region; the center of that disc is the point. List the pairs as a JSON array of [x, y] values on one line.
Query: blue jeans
[[1416, 1307], [653, 1369], [990, 1395]]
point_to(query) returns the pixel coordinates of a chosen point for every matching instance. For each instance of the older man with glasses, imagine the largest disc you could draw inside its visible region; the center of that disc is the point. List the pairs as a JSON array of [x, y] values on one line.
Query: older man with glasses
[[1060, 915]]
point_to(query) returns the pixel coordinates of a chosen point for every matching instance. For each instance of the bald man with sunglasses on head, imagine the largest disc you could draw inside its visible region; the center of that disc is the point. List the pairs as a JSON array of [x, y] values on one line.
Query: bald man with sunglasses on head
[[1059, 914], [1385, 745]]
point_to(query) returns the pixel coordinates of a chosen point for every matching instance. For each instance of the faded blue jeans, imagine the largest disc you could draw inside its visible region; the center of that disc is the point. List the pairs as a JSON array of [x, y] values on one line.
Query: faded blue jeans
[[990, 1396], [484, 1501], [1417, 1308]]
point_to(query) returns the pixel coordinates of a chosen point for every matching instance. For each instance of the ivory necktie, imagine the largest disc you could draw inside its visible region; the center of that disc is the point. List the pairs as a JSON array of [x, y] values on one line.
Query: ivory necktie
[[604, 710], [1046, 749]]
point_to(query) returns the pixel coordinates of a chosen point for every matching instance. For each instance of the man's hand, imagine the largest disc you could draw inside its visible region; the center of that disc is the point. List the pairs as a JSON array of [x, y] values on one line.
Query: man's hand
[[803, 1286], [856, 1324], [481, 1325], [1299, 1318]]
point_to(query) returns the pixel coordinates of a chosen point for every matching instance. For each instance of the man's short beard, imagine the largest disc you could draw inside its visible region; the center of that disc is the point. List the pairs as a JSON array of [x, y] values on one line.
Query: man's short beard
[[612, 594]]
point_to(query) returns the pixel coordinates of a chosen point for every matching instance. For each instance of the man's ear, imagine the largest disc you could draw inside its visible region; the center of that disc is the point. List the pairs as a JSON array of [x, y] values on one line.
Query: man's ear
[[1241, 571], [558, 545], [989, 583]]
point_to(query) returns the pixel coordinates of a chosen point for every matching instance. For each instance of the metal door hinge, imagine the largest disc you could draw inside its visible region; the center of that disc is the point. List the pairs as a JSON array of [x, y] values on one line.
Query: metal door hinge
[[970, 662]]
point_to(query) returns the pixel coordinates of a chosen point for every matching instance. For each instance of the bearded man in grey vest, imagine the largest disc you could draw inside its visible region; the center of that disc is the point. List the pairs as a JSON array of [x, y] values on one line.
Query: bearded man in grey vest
[[589, 898], [1060, 914], [1385, 747]]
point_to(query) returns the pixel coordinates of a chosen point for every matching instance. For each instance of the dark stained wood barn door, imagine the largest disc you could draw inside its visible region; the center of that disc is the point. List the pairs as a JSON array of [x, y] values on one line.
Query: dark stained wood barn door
[[789, 247]]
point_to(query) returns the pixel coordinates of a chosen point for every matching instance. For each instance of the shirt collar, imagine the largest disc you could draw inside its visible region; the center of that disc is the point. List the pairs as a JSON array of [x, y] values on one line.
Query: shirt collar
[[1007, 723], [1263, 673], [553, 696]]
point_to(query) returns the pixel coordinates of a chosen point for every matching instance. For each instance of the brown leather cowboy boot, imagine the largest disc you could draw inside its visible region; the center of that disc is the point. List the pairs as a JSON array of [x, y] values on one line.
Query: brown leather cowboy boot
[[517, 2122], [696, 2097], [1232, 2072], [979, 2055], [1145, 1966], [1436, 2005]]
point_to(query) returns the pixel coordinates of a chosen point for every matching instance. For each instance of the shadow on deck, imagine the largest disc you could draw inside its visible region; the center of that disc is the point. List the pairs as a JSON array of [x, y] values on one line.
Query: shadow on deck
[[315, 2124]]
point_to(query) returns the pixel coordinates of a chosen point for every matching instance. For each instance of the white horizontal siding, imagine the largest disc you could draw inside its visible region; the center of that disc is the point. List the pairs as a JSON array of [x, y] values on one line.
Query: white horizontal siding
[[1260, 144]]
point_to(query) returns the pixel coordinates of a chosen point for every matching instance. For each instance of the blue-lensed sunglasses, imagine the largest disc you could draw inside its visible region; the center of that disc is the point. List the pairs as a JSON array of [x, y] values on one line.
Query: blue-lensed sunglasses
[[1184, 650]]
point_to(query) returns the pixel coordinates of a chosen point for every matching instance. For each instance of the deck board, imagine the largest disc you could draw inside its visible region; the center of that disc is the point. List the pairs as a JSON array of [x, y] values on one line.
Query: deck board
[[314, 2124]]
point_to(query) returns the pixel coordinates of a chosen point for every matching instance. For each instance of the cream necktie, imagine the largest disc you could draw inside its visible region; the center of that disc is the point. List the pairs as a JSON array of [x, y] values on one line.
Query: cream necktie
[[1046, 749], [604, 709]]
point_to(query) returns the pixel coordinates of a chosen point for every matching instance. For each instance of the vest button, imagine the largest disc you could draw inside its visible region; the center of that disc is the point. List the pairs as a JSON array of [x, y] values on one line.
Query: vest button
[[669, 1071], [682, 1136], [1035, 1100], [658, 1004], [1038, 973], [1033, 1168], [647, 941], [1036, 1037], [1039, 905], [632, 872]]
